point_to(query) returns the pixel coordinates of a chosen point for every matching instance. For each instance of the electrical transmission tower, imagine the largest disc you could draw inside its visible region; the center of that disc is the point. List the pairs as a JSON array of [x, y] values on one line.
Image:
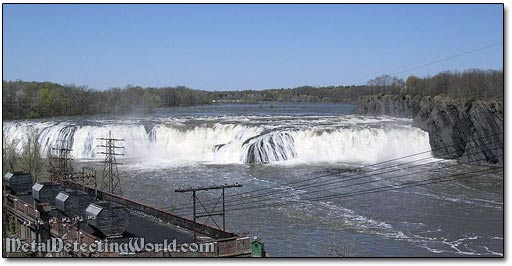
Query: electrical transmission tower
[[61, 167], [87, 178], [110, 181]]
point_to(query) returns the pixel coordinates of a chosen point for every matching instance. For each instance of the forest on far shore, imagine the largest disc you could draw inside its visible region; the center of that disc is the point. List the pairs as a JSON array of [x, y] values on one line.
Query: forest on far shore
[[22, 99]]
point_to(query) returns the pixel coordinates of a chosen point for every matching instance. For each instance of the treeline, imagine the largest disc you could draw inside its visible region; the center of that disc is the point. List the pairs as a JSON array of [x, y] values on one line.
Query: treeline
[[336, 94], [22, 100], [471, 84], [45, 99]]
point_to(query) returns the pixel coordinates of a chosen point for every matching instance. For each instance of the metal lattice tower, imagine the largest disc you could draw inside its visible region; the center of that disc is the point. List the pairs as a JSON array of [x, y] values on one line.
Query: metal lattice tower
[[61, 161], [110, 181], [87, 178]]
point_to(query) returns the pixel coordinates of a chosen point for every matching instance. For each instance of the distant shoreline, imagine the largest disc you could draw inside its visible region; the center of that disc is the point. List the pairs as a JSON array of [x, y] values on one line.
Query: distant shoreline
[[25, 100]]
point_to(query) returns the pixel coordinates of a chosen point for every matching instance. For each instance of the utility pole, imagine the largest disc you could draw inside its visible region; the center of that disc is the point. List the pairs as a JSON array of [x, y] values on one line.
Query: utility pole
[[210, 214], [110, 181]]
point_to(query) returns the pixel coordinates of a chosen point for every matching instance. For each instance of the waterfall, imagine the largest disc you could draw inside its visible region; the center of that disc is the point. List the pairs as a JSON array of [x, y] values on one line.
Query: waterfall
[[228, 142], [271, 147]]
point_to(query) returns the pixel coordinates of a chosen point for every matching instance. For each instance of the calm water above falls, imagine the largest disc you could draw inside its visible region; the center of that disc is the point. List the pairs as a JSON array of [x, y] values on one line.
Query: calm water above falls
[[277, 147]]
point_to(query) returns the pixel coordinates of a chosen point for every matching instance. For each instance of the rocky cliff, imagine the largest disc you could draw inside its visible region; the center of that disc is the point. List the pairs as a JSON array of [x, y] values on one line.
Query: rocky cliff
[[467, 130]]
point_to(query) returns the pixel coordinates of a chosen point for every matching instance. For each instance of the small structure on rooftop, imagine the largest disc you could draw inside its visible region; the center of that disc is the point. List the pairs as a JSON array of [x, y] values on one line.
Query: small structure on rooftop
[[45, 192], [19, 182], [109, 218], [258, 248], [72, 202]]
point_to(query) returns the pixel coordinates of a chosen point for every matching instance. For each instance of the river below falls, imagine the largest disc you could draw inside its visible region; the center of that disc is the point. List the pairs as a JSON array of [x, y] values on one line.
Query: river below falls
[[309, 165]]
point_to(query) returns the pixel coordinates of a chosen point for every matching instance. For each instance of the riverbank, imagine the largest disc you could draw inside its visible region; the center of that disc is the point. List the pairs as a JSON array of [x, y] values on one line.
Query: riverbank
[[462, 129]]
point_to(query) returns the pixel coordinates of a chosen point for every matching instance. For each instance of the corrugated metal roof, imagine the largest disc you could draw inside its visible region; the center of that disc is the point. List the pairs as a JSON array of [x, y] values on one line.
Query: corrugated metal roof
[[37, 186], [8, 176], [62, 196], [93, 209]]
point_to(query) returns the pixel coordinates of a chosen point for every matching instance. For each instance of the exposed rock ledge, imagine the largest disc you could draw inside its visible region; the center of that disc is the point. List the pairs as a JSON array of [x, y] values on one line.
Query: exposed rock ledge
[[467, 130]]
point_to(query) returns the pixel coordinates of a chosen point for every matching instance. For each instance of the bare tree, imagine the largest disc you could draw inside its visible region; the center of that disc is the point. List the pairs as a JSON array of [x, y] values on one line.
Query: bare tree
[[9, 154], [31, 159]]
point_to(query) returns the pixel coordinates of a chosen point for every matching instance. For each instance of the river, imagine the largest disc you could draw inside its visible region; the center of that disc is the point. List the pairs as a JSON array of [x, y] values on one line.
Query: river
[[312, 167]]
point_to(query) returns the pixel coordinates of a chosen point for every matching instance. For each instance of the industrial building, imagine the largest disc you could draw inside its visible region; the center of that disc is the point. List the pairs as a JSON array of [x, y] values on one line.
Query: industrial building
[[77, 213]]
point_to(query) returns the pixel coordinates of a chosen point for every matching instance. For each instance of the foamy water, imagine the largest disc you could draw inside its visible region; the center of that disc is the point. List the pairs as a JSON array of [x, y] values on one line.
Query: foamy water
[[235, 139], [272, 148]]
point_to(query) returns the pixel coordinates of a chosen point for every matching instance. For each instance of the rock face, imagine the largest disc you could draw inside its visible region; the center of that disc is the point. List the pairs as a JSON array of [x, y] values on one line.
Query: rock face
[[466, 130], [270, 147]]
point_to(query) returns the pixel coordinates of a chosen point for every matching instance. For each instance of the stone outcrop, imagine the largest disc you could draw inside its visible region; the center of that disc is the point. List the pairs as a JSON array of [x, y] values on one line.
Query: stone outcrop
[[467, 130]]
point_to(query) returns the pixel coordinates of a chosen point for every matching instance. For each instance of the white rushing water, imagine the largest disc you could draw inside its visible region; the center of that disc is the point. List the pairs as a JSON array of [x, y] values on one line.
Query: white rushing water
[[320, 144], [235, 140]]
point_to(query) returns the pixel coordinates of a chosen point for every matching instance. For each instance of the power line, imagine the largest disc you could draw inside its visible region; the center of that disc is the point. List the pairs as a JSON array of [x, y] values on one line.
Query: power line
[[270, 195], [440, 60], [446, 59], [362, 183], [414, 68], [271, 190], [358, 168], [324, 183], [362, 176], [338, 181], [373, 190], [351, 185], [365, 176], [362, 192]]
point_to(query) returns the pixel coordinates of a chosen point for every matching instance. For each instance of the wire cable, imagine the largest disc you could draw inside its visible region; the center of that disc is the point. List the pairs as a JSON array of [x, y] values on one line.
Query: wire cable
[[374, 190], [366, 182], [356, 184], [240, 196]]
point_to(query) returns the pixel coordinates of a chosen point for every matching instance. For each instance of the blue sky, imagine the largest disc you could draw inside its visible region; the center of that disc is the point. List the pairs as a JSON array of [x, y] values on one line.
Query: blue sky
[[230, 47]]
